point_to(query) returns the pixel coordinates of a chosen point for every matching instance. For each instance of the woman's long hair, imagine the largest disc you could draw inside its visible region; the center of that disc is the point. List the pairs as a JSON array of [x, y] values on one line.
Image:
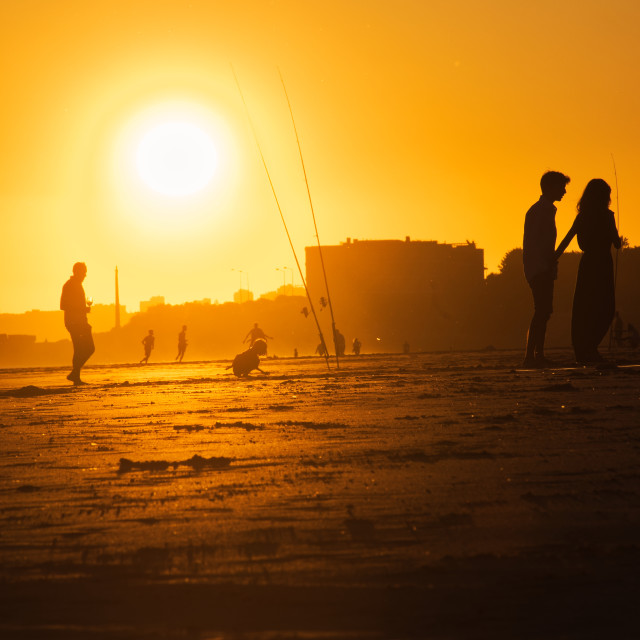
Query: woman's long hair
[[596, 197]]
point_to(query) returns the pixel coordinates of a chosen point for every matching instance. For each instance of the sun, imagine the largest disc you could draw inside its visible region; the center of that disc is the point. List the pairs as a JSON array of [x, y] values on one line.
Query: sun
[[176, 159]]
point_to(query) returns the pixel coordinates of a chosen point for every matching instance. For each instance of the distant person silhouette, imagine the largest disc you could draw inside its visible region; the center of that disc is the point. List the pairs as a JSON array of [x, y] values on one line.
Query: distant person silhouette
[[594, 299], [244, 363], [356, 346], [148, 342], [340, 342], [406, 348], [182, 343], [75, 306], [256, 333], [540, 262]]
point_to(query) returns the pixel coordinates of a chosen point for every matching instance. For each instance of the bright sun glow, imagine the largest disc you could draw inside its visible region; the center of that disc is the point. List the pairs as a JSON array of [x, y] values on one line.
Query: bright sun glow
[[176, 159]]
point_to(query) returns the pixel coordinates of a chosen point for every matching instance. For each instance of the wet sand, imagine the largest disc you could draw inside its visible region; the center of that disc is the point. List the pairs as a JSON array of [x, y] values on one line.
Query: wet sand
[[423, 496]]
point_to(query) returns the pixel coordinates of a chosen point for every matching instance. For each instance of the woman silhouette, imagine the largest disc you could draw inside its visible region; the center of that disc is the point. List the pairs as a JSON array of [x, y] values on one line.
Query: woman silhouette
[[594, 301]]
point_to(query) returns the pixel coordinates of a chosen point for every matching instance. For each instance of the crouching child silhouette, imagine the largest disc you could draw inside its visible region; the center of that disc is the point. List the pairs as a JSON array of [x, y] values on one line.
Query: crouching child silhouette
[[244, 363]]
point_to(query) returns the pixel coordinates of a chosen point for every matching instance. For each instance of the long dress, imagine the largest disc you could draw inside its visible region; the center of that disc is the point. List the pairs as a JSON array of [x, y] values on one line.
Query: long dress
[[594, 301]]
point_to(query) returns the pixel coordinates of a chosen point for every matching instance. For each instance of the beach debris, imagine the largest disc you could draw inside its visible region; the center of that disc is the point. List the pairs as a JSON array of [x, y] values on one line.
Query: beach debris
[[280, 407], [188, 427], [247, 426], [198, 463], [313, 462], [27, 488], [31, 391]]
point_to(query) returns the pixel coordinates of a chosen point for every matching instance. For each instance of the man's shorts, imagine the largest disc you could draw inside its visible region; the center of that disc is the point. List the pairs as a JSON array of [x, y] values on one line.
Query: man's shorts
[[542, 289]]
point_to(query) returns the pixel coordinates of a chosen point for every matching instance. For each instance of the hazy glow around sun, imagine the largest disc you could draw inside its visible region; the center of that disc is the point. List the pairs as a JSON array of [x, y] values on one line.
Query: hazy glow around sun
[[176, 158]]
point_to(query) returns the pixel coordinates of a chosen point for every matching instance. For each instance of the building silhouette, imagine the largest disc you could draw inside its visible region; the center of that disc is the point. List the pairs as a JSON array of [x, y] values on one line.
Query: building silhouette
[[284, 290], [388, 292], [242, 295], [154, 301]]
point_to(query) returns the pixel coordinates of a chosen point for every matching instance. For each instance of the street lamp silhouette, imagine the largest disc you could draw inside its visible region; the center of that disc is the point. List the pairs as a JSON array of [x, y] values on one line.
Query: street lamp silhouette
[[240, 271], [284, 279]]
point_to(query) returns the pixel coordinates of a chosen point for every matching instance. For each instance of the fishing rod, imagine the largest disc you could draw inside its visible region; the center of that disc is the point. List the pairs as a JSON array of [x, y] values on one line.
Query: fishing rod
[[615, 272], [615, 173], [315, 225], [273, 190]]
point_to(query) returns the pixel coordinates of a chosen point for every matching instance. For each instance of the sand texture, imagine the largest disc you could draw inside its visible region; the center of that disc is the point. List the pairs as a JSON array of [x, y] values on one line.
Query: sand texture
[[422, 496]]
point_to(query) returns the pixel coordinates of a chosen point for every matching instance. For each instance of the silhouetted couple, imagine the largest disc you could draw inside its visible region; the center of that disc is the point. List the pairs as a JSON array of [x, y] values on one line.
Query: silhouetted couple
[[594, 297], [75, 306]]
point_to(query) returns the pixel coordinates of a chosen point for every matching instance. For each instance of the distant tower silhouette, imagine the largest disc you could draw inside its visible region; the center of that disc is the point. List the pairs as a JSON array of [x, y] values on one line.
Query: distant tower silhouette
[[117, 302]]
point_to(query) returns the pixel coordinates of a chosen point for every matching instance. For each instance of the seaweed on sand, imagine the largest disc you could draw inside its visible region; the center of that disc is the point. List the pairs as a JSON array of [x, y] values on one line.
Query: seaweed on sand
[[198, 463]]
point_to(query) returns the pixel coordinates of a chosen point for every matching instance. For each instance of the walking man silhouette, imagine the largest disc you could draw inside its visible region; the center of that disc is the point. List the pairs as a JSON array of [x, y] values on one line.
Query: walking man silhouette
[[148, 342], [182, 343], [74, 304], [540, 263]]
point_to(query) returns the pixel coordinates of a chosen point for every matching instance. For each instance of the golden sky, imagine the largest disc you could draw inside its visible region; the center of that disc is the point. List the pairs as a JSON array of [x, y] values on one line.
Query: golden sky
[[428, 118]]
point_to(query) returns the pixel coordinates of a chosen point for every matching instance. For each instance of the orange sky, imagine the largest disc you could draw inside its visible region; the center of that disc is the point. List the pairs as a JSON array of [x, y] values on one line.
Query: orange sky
[[430, 119]]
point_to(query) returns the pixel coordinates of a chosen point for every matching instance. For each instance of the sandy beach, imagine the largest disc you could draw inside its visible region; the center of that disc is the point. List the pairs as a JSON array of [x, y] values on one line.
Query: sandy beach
[[421, 496]]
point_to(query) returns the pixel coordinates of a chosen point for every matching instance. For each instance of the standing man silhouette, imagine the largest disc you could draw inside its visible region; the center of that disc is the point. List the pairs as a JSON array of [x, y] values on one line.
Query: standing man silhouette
[[256, 334], [540, 263], [182, 343], [339, 342], [148, 342], [75, 306]]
